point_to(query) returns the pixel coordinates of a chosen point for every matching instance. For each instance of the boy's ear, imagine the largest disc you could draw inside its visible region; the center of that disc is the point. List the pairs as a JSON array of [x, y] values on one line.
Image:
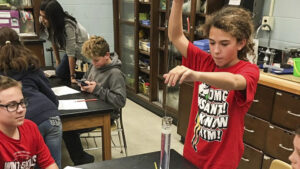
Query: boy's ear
[[107, 55], [241, 44]]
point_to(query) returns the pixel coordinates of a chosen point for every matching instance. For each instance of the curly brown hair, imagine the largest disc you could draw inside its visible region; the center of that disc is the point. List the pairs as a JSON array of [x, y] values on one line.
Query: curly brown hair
[[96, 46], [237, 22], [13, 54], [7, 82]]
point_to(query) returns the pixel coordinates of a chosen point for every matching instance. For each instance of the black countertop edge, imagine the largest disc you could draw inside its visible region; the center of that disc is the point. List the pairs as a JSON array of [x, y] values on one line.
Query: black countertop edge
[[33, 41]]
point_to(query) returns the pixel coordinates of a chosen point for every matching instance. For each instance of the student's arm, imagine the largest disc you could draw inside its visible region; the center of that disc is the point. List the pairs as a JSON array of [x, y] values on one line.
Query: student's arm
[[223, 80], [115, 92], [56, 53], [52, 166], [175, 30], [71, 48], [72, 68]]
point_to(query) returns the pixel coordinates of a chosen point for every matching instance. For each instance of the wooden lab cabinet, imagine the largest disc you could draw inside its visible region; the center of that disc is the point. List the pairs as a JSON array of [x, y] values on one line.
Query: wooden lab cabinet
[[286, 110], [262, 105], [270, 124], [252, 158], [255, 131]]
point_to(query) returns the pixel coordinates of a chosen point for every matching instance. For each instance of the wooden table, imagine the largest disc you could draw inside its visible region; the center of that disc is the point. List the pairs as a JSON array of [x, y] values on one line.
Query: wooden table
[[97, 115], [142, 161]]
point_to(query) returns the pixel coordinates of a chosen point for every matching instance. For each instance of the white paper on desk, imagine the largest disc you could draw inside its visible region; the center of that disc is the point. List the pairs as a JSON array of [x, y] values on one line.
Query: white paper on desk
[[49, 73], [64, 90], [69, 167], [72, 104]]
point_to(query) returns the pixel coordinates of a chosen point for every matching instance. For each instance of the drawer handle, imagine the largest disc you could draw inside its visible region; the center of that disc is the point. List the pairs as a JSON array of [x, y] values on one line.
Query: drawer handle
[[255, 101], [279, 94], [287, 149], [248, 130], [245, 159], [293, 114]]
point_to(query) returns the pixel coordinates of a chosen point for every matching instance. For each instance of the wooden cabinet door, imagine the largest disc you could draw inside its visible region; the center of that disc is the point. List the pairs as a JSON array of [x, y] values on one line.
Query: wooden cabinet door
[[38, 50], [252, 158], [185, 100], [279, 143], [266, 163], [262, 105], [255, 131], [286, 111]]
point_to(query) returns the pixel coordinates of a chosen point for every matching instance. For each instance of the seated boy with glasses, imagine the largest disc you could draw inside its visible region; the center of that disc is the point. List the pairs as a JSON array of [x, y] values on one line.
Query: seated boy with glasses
[[21, 145]]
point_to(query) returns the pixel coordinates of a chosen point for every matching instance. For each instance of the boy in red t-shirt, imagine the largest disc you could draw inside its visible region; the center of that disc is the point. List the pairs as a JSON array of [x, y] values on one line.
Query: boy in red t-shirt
[[21, 145], [224, 85]]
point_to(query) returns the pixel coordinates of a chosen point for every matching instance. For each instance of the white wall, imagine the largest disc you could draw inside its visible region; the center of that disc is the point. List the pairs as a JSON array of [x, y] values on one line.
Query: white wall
[[95, 15], [286, 30]]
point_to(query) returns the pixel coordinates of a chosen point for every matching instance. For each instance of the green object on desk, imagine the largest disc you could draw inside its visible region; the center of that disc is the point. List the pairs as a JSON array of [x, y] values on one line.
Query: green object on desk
[[296, 71]]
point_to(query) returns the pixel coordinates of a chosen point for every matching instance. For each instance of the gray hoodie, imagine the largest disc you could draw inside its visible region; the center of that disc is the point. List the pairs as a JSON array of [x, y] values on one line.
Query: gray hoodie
[[110, 82]]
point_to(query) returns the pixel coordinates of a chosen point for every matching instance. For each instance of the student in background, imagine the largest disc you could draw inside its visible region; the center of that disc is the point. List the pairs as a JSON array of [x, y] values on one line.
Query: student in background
[[105, 80], [295, 156], [21, 144], [225, 85], [19, 63], [104, 77], [65, 33]]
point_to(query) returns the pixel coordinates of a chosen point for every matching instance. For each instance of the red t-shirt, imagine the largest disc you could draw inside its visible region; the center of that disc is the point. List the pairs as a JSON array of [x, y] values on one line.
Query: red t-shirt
[[214, 138], [26, 152]]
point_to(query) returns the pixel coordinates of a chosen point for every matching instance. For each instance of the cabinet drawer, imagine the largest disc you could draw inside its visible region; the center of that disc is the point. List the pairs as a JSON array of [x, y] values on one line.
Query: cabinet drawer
[[266, 162], [255, 131], [252, 158], [262, 105], [279, 143], [286, 110]]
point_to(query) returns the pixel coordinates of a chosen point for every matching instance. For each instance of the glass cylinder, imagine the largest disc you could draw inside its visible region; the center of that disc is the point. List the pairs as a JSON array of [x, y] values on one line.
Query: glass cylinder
[[165, 142]]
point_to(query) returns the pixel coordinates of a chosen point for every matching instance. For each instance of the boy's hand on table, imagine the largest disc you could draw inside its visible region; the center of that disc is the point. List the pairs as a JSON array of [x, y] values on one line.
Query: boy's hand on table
[[90, 86]]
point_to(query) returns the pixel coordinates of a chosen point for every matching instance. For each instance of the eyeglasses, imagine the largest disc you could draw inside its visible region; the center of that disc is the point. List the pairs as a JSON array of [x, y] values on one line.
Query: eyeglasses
[[13, 106]]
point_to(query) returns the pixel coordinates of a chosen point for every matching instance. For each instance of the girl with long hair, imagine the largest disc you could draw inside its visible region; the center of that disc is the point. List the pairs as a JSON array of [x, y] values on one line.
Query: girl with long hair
[[65, 33]]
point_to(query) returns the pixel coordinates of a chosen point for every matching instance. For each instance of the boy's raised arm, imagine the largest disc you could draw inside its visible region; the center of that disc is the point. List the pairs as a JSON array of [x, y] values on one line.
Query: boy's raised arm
[[175, 30]]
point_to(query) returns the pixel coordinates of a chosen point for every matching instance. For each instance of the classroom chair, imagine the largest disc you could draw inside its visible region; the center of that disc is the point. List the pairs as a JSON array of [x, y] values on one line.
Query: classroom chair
[[278, 164], [117, 126]]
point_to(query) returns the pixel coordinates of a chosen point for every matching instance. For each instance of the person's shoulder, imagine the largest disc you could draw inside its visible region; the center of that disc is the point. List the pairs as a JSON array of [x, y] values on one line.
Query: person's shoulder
[[116, 71], [247, 65], [28, 124], [70, 22], [248, 69]]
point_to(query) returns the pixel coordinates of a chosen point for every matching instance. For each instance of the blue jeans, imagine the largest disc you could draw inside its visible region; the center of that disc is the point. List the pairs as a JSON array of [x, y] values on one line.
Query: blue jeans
[[62, 70], [51, 130]]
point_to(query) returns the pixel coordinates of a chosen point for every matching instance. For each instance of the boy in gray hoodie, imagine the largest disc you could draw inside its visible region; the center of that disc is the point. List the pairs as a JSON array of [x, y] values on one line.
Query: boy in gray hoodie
[[103, 79]]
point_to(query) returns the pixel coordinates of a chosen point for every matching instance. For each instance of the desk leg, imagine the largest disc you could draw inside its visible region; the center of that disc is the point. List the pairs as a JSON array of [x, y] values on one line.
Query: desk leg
[[106, 139]]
